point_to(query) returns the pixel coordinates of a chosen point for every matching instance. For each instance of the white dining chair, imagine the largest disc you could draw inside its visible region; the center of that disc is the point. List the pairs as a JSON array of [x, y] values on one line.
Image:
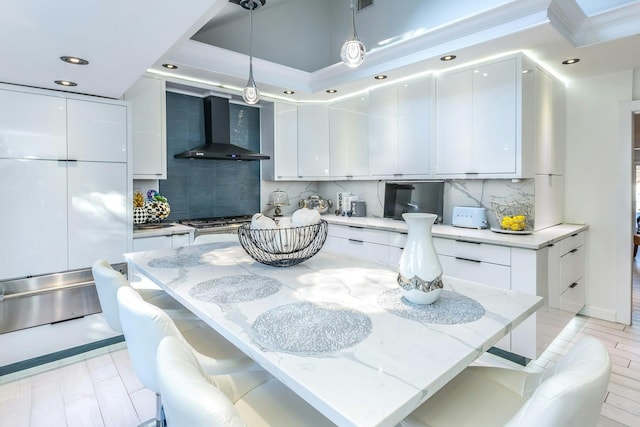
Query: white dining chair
[[567, 395], [108, 281], [194, 399], [145, 325]]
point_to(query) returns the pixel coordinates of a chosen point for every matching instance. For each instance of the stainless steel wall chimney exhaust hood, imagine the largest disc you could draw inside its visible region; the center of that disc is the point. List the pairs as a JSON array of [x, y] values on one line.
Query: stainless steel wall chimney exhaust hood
[[217, 144]]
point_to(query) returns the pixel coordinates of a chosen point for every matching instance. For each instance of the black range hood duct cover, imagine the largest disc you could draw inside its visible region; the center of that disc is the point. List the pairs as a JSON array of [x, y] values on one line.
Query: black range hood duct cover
[[217, 144]]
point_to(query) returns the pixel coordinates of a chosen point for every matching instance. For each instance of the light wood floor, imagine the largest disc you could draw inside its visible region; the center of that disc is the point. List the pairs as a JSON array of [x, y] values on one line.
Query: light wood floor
[[99, 388]]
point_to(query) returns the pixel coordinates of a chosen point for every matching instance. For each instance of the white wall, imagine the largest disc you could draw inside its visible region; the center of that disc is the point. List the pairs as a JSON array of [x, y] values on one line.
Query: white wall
[[597, 183]]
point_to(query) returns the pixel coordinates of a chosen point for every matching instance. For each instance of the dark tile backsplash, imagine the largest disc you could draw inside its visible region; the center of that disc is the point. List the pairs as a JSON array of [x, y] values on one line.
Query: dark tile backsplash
[[209, 188]]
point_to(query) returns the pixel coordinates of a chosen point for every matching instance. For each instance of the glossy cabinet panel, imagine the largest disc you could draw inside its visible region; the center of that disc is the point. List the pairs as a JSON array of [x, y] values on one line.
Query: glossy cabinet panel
[[286, 141], [414, 127], [349, 138], [96, 131], [383, 131], [32, 126], [148, 116], [313, 141], [34, 240], [97, 212]]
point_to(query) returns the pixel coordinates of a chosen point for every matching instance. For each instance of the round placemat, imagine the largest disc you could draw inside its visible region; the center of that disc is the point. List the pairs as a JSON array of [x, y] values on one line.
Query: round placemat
[[232, 289], [449, 309], [189, 256], [309, 329]]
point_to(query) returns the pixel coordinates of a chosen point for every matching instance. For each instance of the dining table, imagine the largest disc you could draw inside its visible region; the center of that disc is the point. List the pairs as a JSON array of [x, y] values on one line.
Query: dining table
[[335, 330]]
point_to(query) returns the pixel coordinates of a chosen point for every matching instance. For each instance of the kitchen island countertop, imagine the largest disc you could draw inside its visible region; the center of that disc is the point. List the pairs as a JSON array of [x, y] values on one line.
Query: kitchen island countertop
[[536, 240]]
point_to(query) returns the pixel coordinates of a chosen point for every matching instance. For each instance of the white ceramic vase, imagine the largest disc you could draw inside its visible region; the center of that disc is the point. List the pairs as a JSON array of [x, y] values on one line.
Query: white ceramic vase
[[419, 269]]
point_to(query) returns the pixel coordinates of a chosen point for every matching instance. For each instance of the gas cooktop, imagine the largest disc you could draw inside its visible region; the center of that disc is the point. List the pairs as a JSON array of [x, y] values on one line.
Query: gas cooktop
[[216, 222]]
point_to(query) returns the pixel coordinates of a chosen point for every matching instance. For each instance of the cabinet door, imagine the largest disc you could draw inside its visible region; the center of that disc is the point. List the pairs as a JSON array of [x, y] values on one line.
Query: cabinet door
[[152, 243], [97, 212], [96, 131], [349, 138], [454, 113], [313, 141], [286, 141], [414, 118], [32, 126], [495, 118], [383, 132], [34, 239], [148, 122]]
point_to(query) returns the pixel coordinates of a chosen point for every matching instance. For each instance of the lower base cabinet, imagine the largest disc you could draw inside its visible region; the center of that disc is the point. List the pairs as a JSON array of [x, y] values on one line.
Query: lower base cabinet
[[167, 241], [555, 273]]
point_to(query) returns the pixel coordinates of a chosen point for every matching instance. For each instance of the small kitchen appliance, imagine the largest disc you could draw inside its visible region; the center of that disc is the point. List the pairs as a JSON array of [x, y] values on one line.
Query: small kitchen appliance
[[358, 208], [469, 217]]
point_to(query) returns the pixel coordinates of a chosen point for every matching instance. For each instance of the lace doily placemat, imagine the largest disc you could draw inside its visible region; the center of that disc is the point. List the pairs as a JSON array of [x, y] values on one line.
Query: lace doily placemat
[[233, 289], [309, 329], [449, 309], [190, 256]]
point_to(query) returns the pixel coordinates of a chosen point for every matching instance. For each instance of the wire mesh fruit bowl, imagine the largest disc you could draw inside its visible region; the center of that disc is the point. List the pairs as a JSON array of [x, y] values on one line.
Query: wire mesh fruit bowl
[[513, 215], [283, 247]]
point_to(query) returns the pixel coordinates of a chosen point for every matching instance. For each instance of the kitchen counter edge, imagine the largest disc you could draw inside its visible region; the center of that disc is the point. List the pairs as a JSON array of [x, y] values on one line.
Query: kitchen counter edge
[[166, 231], [536, 240]]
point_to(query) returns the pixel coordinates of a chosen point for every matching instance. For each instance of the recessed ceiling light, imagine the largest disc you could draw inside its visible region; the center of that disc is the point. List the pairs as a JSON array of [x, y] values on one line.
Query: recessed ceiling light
[[289, 92], [65, 83], [74, 60], [448, 58], [331, 90], [170, 66], [380, 77], [571, 61]]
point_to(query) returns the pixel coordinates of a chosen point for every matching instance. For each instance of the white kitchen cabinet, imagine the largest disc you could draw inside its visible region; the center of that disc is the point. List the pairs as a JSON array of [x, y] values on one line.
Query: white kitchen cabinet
[[75, 209], [399, 122], [349, 138], [566, 274], [313, 141], [165, 241], [34, 211], [96, 131], [483, 121], [550, 124], [358, 242], [286, 141], [148, 121], [96, 212], [32, 125], [549, 200]]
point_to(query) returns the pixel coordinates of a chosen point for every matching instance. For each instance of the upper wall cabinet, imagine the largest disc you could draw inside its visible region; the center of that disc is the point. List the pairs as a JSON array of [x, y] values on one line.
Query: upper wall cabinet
[[349, 138], [148, 103], [313, 141], [550, 124], [285, 157], [482, 128], [399, 123]]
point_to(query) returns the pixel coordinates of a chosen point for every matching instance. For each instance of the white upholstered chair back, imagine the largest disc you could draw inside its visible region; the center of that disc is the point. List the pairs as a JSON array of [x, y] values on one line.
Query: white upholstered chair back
[[571, 394], [189, 398], [108, 281], [144, 326]]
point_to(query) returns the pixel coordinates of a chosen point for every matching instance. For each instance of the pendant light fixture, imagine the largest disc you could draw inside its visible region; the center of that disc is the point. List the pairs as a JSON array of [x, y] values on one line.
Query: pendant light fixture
[[353, 50], [250, 93]]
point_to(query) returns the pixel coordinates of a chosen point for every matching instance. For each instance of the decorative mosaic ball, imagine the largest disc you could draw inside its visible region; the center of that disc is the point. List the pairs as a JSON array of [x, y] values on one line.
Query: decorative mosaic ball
[[139, 215], [157, 211]]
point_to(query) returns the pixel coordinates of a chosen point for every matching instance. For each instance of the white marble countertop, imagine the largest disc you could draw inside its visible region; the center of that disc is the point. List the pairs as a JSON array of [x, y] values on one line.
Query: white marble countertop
[[535, 240], [174, 228], [365, 364]]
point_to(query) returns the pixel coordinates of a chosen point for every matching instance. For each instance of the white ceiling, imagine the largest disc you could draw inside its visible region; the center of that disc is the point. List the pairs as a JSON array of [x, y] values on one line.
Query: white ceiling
[[123, 39]]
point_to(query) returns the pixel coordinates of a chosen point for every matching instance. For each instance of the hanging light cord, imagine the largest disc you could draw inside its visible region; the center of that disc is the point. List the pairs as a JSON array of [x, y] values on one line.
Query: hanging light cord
[[353, 20], [252, 5]]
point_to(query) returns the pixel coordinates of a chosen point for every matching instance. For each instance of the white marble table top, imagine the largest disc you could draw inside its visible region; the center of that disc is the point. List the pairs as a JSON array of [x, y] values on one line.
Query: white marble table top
[[321, 329]]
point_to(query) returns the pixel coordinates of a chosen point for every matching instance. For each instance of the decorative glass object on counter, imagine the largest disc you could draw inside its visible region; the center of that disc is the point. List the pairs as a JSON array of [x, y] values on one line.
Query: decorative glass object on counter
[[513, 216], [278, 199]]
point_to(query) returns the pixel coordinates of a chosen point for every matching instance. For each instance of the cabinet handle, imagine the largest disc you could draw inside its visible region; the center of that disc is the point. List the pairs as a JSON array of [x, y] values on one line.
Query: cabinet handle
[[574, 235], [573, 251], [356, 241], [355, 226], [573, 285], [67, 160], [467, 241], [468, 259], [472, 173]]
